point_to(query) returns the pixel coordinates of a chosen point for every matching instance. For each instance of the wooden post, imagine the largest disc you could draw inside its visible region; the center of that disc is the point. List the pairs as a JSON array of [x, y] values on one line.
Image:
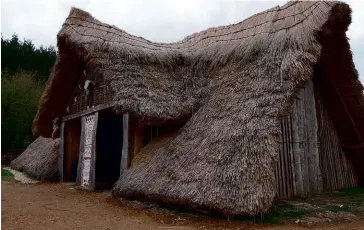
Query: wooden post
[[298, 175], [82, 149], [313, 163], [93, 154], [125, 152], [61, 152]]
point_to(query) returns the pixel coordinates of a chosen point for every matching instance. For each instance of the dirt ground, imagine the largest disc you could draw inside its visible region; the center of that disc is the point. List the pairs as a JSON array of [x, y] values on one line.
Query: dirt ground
[[61, 206]]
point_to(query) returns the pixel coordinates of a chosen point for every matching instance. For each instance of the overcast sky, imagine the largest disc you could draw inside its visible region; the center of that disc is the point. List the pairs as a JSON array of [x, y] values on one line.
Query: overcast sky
[[155, 20]]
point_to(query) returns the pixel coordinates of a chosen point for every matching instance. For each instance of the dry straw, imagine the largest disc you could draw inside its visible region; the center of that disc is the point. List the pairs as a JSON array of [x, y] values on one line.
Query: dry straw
[[40, 159]]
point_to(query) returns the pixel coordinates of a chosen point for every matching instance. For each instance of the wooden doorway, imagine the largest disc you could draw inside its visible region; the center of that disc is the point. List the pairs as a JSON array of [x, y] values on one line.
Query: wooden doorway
[[109, 147], [72, 135]]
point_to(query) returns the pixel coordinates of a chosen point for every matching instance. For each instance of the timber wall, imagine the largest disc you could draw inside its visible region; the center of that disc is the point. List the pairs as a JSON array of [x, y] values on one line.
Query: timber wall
[[337, 171], [311, 159]]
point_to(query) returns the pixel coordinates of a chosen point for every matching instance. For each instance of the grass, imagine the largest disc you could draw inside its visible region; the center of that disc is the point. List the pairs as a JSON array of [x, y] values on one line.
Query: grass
[[6, 175], [274, 215], [28, 175], [351, 191], [338, 208], [349, 200], [287, 210], [279, 211], [345, 200]]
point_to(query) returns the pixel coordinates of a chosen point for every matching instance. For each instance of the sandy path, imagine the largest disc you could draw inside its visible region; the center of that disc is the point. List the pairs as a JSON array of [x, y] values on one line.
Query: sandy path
[[59, 206]]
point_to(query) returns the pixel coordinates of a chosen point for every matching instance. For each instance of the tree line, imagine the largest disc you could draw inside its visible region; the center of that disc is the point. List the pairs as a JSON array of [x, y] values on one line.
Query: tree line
[[24, 71], [17, 55]]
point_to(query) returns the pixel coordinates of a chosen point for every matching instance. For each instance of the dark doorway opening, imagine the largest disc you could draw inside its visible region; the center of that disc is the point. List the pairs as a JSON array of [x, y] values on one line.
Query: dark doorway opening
[[109, 147], [151, 132], [143, 133], [72, 134]]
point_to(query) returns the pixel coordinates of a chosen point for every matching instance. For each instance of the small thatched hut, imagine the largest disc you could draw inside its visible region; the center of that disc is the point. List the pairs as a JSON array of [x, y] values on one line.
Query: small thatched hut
[[226, 119], [40, 159]]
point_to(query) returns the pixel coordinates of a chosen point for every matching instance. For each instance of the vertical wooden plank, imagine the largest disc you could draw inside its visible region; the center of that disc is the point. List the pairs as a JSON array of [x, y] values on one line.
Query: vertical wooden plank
[[303, 154], [276, 167], [125, 152], [82, 149], [130, 146], [93, 153], [280, 166], [291, 162], [312, 129], [301, 113], [292, 155], [276, 177], [296, 172], [331, 160], [133, 139], [333, 163], [341, 160], [301, 145], [304, 142], [285, 159], [89, 130], [288, 157], [337, 163], [326, 152], [340, 167], [308, 123], [61, 151], [322, 146]]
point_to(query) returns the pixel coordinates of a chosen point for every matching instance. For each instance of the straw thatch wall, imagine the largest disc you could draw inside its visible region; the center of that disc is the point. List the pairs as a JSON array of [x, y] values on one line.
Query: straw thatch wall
[[39, 160], [235, 82]]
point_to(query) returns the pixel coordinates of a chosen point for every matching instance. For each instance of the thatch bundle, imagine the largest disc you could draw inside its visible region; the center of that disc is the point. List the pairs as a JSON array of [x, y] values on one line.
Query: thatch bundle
[[235, 82], [39, 160]]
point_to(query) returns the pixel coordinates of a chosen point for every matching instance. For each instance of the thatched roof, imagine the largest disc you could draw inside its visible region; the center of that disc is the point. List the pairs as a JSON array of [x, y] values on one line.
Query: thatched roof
[[39, 160], [235, 82]]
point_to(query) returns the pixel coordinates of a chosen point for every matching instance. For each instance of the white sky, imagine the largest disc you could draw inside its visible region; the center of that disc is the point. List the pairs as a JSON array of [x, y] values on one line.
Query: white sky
[[155, 20]]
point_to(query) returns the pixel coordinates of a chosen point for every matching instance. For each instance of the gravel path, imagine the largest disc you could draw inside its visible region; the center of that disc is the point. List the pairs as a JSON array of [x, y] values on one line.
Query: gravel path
[[61, 206]]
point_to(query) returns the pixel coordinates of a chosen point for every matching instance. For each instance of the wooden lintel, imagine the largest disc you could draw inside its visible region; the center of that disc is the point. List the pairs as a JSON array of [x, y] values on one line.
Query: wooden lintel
[[88, 111]]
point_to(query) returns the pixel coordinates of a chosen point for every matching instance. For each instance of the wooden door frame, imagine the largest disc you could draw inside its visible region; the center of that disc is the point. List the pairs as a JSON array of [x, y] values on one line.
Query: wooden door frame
[[125, 158], [64, 131]]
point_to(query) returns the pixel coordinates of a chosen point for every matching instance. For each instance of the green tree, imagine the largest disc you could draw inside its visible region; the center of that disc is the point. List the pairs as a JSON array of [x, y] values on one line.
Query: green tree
[[19, 55], [25, 69], [19, 103]]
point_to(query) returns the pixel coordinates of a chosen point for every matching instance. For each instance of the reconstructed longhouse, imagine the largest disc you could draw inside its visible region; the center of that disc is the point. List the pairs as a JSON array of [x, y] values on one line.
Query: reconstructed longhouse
[[225, 120]]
